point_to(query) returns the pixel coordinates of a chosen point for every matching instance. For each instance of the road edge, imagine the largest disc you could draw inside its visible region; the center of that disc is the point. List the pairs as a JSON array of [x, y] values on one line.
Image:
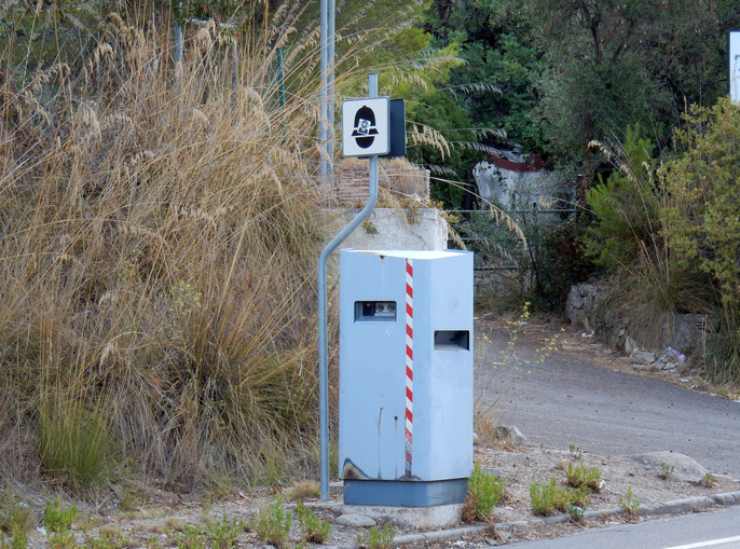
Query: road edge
[[674, 507]]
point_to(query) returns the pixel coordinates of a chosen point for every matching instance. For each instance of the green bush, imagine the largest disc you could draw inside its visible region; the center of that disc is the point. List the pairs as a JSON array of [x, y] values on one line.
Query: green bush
[[272, 523], [222, 534], [57, 517], [377, 538], [630, 504], [700, 220], [624, 207], [76, 444], [485, 491], [548, 497], [580, 476], [16, 520], [315, 530], [543, 497]]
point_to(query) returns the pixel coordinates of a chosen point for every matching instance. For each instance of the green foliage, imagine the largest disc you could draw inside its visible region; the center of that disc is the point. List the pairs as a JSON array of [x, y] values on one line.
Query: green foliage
[[377, 538], [548, 497], [700, 221], [222, 534], [543, 497], [16, 520], [630, 504], [624, 208], [485, 491], [272, 523], [57, 517], [666, 471], [109, 538], [191, 537], [76, 443], [315, 530], [580, 476], [709, 481], [63, 540]]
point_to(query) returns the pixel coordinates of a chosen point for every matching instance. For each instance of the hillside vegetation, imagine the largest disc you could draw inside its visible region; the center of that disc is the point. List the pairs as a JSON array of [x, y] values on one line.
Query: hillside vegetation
[[158, 237]]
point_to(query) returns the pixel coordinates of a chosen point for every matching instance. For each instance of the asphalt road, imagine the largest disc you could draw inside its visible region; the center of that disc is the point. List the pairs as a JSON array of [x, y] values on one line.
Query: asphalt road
[[566, 399], [718, 530]]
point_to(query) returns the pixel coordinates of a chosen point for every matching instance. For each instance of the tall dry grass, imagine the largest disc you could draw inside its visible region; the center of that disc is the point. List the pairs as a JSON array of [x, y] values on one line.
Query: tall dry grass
[[158, 232]]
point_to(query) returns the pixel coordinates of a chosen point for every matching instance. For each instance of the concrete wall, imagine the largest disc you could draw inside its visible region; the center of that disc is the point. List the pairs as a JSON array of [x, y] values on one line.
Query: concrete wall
[[392, 229]]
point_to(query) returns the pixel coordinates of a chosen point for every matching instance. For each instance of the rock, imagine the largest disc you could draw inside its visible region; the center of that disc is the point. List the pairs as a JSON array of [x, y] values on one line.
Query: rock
[[581, 304], [511, 434], [629, 345], [642, 358], [684, 468], [356, 520]]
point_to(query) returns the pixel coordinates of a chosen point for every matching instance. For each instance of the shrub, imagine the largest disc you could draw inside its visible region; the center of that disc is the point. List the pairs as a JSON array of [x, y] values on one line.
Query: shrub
[[272, 523], [549, 497], [580, 476], [75, 443], [63, 540], [700, 221], [57, 517], [222, 534], [16, 520], [544, 497], [162, 238], [377, 538], [315, 530], [192, 537], [709, 481], [304, 489], [485, 491], [630, 504], [666, 471]]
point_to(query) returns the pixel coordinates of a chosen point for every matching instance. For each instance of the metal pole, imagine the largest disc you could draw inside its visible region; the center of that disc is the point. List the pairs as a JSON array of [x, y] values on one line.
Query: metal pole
[[324, 100], [323, 330], [331, 81], [179, 39]]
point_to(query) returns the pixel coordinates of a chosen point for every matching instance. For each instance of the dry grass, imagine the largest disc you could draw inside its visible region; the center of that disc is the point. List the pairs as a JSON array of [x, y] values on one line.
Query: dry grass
[[304, 489], [157, 236]]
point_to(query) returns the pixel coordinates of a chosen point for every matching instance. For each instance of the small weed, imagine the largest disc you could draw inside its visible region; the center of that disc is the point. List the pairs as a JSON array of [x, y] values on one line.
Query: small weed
[[191, 537], [580, 476], [630, 505], [369, 227], [576, 513], [130, 501], [63, 540], [377, 538], [575, 452], [57, 518], [709, 481], [222, 534], [485, 491], [16, 519], [272, 523], [666, 471], [109, 538], [315, 530], [153, 543], [304, 489]]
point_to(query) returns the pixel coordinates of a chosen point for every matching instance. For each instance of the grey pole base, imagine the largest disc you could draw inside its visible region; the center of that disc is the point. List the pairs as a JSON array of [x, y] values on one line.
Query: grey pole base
[[399, 493]]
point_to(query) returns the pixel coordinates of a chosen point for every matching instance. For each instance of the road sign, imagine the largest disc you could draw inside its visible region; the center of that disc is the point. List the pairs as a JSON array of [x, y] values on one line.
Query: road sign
[[366, 127], [735, 66]]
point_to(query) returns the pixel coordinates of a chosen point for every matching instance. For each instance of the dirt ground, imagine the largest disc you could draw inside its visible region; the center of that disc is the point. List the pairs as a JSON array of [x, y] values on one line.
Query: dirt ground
[[153, 518]]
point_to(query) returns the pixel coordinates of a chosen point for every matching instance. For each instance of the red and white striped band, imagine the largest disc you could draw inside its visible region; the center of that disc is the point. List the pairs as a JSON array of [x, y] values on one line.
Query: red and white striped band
[[409, 426]]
